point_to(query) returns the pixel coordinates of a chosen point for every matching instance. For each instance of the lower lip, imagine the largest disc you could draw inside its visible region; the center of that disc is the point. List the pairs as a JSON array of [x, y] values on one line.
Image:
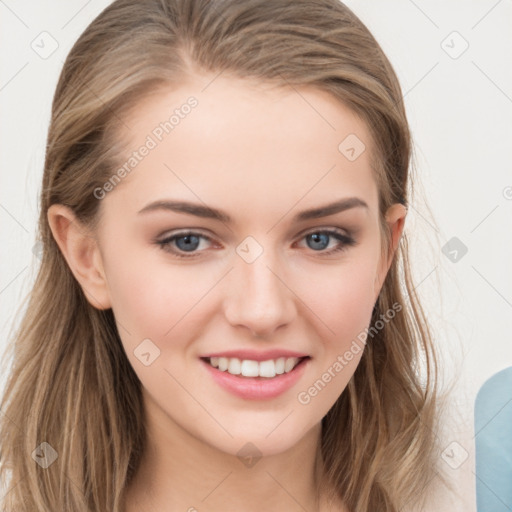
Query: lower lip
[[257, 388]]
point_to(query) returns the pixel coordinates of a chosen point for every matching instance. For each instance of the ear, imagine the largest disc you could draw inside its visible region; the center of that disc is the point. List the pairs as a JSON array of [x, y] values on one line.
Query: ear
[[81, 251], [395, 219]]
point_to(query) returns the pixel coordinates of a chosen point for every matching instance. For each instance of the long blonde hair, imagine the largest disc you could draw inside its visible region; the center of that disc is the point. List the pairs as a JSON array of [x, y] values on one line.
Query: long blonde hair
[[71, 384]]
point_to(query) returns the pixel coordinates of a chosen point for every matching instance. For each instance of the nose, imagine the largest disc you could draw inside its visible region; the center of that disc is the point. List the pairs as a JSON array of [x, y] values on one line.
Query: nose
[[258, 296]]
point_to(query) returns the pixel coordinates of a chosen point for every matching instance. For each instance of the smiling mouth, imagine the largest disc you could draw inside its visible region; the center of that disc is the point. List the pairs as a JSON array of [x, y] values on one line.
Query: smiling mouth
[[250, 368]]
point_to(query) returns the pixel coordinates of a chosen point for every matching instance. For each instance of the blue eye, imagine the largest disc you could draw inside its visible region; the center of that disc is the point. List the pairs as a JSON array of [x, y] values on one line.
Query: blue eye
[[185, 242], [320, 240], [188, 242]]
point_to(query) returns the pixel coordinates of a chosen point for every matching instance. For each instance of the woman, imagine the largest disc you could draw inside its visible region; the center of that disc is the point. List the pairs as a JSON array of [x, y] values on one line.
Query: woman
[[223, 317]]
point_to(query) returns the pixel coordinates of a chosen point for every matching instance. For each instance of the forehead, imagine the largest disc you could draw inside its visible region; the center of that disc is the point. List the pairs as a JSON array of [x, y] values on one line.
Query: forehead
[[242, 142]]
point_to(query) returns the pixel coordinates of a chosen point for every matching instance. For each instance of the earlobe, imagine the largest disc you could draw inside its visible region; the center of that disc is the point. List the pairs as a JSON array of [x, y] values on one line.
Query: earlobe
[[81, 252]]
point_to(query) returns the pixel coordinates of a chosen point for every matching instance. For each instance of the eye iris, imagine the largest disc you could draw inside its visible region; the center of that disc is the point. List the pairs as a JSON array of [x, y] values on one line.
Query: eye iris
[[191, 243], [316, 236]]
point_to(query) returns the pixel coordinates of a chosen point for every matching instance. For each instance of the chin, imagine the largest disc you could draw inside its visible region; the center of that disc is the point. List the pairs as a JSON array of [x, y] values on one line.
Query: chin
[[261, 442]]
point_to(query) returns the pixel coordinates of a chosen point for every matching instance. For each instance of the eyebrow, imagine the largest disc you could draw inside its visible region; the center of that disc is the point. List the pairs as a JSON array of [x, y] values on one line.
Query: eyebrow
[[212, 213]]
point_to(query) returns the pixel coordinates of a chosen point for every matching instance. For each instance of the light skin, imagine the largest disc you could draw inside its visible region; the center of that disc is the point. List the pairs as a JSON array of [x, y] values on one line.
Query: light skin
[[262, 155]]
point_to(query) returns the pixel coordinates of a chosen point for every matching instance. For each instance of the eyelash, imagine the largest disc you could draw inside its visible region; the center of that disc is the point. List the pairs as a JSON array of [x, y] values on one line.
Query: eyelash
[[346, 241]]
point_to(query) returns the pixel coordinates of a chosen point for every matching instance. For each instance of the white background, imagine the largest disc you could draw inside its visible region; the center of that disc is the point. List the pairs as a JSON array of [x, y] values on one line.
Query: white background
[[460, 114]]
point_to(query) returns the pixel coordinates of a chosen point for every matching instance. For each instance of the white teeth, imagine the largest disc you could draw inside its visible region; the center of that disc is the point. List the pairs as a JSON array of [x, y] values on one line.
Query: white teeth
[[223, 364], [234, 366], [280, 365], [250, 368], [289, 364], [267, 369]]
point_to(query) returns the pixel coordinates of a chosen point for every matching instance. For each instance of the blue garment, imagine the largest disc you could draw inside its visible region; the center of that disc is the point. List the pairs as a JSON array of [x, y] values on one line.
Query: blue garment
[[493, 439]]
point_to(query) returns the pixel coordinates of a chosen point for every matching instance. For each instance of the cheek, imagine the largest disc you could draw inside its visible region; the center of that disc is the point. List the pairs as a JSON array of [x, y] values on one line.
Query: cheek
[[149, 300], [354, 302], [343, 299]]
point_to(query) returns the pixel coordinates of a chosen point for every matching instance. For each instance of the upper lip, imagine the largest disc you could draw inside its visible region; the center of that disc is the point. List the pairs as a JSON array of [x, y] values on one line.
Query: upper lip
[[256, 355]]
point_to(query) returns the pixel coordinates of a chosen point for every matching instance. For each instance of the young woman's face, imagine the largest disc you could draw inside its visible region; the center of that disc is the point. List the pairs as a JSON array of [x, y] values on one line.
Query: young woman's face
[[240, 270]]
